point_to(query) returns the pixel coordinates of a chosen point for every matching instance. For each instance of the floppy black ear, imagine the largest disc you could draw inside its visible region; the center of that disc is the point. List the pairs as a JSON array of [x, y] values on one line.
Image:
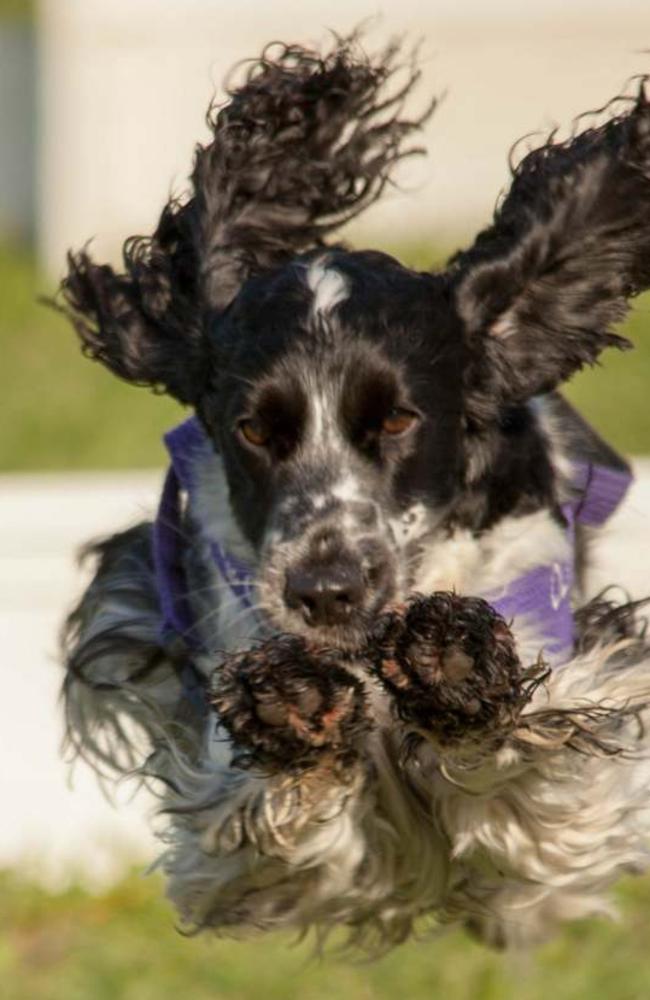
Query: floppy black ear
[[145, 324], [540, 290], [306, 143]]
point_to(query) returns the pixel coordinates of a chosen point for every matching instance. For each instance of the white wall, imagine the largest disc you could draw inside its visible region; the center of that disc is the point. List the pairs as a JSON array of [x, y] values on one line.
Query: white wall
[[125, 83]]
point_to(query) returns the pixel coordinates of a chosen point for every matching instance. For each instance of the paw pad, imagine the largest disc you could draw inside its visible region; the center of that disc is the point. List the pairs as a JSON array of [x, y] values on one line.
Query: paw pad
[[451, 666], [285, 704]]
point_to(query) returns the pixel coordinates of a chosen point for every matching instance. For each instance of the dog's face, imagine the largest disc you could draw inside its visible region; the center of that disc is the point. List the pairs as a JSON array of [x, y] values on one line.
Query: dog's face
[[339, 419]]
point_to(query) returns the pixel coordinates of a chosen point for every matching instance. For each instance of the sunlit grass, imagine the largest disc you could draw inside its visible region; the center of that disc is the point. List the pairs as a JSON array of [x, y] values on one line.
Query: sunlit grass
[[122, 945], [61, 411], [17, 10]]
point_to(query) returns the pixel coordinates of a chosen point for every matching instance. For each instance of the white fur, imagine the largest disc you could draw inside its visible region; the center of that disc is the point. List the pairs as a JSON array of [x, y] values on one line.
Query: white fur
[[513, 839], [470, 563], [328, 286], [348, 488], [221, 621], [555, 433], [411, 525], [212, 510], [322, 426]]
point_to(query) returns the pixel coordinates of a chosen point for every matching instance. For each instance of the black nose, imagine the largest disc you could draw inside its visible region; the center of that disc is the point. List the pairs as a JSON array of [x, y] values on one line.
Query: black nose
[[325, 595]]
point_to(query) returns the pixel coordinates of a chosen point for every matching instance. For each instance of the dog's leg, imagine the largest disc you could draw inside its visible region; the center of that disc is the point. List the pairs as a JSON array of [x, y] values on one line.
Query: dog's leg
[[288, 707], [266, 829], [548, 807], [451, 667]]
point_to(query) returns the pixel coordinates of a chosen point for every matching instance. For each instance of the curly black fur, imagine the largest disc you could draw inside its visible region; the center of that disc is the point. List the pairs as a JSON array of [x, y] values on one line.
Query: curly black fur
[[145, 325], [604, 620], [306, 143], [541, 288], [451, 666], [449, 663]]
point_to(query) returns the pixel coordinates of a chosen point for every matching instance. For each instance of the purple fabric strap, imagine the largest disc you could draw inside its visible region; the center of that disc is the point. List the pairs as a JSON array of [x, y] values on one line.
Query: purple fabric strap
[[541, 596], [187, 445], [170, 576]]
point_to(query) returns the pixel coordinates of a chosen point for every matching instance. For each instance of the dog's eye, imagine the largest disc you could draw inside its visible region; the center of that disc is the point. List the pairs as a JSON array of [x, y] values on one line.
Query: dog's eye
[[398, 421], [255, 432]]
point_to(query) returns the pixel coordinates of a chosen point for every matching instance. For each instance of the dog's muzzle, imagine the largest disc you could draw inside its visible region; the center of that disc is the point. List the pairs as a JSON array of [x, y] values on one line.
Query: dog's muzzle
[[334, 584]]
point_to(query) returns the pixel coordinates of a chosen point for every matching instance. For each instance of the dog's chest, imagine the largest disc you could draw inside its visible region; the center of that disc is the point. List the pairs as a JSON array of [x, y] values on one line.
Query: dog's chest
[[496, 564]]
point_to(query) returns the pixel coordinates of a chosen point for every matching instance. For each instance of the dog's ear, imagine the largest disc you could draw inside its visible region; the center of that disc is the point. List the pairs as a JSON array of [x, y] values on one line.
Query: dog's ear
[[144, 324], [540, 290], [306, 143]]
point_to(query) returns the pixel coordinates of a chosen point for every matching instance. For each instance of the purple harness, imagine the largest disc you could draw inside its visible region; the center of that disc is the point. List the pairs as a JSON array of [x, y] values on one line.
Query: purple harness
[[541, 595], [187, 444]]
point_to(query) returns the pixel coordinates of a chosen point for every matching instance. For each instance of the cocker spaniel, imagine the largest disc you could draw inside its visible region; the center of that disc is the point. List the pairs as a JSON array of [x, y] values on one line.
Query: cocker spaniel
[[352, 648]]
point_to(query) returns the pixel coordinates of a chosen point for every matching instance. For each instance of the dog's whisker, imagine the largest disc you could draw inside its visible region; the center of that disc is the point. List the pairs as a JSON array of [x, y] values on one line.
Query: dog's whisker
[[216, 586], [247, 611]]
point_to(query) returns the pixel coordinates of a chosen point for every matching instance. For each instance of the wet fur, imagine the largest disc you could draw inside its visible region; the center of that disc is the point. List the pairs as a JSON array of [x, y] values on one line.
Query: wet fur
[[236, 289]]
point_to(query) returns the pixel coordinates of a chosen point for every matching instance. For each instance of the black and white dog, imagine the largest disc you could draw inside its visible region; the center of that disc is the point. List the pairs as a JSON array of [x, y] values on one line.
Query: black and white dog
[[364, 433]]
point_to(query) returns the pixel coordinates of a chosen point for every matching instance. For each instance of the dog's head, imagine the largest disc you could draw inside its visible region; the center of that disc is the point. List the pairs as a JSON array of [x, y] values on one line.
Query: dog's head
[[359, 406], [338, 417]]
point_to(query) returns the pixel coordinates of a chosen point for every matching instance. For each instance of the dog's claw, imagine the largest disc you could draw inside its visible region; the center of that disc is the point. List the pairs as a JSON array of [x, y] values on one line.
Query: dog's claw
[[285, 705], [450, 664]]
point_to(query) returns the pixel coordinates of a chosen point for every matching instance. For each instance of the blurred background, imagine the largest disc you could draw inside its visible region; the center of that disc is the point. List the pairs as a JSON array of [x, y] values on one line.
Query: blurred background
[[101, 103]]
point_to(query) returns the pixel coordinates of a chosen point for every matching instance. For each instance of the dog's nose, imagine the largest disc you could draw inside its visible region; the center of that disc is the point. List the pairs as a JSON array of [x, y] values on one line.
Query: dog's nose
[[326, 595]]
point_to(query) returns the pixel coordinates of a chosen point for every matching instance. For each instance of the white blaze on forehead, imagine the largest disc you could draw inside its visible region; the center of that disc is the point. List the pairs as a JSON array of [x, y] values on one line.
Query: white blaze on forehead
[[325, 429], [319, 412], [328, 286]]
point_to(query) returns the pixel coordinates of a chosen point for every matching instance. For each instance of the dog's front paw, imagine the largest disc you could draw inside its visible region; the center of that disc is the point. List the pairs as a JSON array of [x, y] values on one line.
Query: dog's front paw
[[450, 664], [288, 707]]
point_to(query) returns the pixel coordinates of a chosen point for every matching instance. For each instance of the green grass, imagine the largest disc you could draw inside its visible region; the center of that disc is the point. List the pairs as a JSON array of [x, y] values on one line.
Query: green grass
[[62, 412], [17, 10], [615, 395], [122, 945]]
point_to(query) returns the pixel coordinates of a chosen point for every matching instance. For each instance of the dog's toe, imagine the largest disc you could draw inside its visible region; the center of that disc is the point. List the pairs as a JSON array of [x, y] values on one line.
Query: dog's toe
[[450, 664], [286, 705]]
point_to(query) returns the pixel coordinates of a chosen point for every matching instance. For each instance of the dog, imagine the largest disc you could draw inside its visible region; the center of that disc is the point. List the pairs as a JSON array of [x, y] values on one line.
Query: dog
[[370, 445]]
